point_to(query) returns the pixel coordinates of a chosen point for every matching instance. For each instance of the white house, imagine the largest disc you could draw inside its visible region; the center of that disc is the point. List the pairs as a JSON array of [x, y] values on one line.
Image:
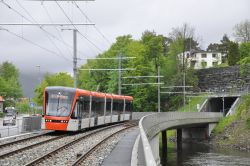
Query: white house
[[201, 59]]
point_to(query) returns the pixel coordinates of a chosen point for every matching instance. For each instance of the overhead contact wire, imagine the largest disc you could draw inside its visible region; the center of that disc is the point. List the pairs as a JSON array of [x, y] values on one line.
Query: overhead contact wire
[[76, 27]]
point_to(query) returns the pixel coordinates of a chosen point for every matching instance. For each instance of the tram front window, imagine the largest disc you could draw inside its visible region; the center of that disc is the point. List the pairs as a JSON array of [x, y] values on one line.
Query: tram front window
[[59, 103]]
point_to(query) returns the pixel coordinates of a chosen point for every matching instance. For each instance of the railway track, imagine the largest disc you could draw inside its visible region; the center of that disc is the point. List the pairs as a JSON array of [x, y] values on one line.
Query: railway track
[[83, 157], [7, 149], [67, 154], [21, 140]]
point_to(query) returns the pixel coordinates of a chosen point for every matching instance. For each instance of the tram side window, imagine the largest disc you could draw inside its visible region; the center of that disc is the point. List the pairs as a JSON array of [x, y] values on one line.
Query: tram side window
[[80, 109], [129, 107], [108, 107], [99, 106], [120, 106], [115, 107], [102, 104], [86, 107], [93, 108]]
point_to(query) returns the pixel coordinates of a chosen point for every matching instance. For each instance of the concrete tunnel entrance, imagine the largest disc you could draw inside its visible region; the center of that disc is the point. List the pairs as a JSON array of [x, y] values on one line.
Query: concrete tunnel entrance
[[216, 104]]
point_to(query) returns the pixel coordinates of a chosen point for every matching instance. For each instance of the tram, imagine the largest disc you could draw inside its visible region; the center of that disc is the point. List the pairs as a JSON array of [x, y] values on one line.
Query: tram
[[72, 109]]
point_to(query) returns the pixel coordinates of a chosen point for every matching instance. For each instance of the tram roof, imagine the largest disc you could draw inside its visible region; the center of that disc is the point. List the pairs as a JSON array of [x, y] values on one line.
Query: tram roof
[[88, 93]]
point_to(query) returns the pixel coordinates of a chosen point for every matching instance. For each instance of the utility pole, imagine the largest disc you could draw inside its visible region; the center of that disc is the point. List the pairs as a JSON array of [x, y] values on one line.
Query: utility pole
[[184, 74], [159, 90], [58, 24], [119, 67], [75, 57], [119, 73], [158, 83]]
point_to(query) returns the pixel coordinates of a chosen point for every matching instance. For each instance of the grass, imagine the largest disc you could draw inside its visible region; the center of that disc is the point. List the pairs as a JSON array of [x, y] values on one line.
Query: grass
[[191, 106], [224, 122], [242, 112], [170, 133], [223, 65], [248, 123], [170, 144]]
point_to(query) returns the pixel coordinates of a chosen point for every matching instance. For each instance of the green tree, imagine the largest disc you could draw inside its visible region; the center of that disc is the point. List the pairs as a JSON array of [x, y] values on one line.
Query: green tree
[[244, 58], [8, 71], [233, 54], [23, 106], [213, 47], [244, 50], [222, 47], [58, 79], [225, 44], [9, 80], [154, 47], [150, 51], [191, 44]]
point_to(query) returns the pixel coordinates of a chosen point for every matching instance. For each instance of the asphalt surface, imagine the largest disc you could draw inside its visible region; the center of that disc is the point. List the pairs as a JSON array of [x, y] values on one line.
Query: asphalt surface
[[121, 154]]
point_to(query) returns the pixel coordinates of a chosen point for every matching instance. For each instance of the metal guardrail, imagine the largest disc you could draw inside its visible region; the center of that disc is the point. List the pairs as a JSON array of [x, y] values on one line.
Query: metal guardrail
[[151, 125]]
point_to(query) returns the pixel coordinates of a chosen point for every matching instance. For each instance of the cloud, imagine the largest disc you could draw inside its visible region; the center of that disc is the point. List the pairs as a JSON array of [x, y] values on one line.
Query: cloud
[[211, 19]]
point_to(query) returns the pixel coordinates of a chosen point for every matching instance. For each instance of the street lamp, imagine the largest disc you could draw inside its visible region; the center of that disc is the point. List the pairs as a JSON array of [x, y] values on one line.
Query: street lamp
[[39, 79]]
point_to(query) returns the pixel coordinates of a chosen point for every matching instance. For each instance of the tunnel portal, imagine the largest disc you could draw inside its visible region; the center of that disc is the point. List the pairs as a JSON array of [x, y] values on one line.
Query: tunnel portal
[[216, 104]]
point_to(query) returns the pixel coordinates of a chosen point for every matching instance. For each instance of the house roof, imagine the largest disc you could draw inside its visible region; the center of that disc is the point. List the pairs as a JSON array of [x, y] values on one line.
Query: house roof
[[1, 99]]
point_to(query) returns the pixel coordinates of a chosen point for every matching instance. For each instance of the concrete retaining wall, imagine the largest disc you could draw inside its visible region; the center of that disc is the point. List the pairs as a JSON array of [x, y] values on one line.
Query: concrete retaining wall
[[218, 79]]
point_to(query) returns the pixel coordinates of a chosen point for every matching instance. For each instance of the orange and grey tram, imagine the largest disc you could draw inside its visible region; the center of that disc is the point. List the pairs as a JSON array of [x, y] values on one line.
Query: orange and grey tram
[[71, 109]]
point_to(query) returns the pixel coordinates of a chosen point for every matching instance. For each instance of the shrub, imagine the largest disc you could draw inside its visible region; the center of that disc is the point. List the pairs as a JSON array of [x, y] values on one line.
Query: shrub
[[224, 122], [1, 114], [248, 123]]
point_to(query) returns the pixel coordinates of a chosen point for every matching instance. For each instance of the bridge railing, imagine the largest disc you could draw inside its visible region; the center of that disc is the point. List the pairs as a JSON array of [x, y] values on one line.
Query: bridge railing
[[151, 125]]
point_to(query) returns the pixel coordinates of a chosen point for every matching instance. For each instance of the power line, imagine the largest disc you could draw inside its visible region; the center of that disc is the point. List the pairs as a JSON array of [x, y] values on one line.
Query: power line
[[76, 28], [125, 69], [43, 24], [29, 41], [142, 77], [39, 26], [136, 84], [17, 12], [97, 29], [62, 0], [122, 58], [51, 20], [59, 50], [170, 87]]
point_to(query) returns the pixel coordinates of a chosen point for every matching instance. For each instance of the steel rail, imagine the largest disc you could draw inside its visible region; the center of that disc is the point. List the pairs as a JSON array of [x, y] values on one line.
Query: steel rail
[[30, 146], [49, 154], [88, 153], [22, 140]]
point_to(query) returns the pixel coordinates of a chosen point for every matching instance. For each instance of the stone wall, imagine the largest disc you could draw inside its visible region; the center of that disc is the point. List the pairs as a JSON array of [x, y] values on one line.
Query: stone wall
[[226, 79]]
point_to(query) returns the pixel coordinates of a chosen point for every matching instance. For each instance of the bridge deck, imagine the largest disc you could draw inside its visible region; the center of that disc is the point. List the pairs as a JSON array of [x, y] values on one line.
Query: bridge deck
[[121, 154]]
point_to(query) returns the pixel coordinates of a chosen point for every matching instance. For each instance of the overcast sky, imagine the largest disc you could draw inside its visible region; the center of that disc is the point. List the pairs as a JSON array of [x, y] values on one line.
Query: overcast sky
[[210, 18]]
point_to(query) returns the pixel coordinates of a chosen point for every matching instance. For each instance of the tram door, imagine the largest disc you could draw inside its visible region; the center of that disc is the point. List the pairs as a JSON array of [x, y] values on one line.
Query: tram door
[[80, 113]]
